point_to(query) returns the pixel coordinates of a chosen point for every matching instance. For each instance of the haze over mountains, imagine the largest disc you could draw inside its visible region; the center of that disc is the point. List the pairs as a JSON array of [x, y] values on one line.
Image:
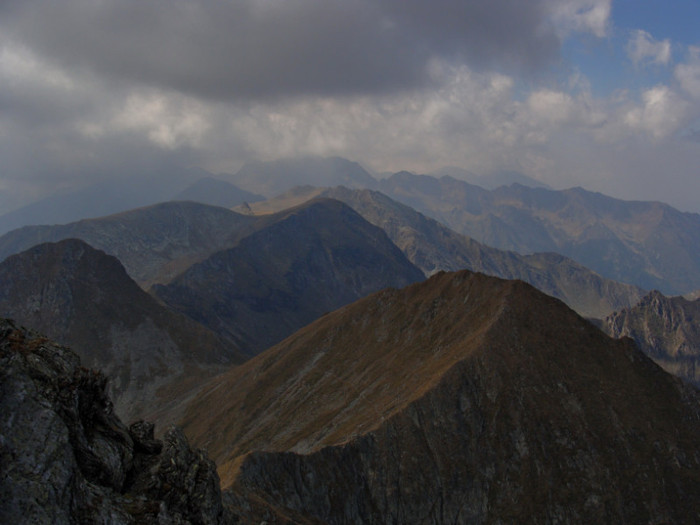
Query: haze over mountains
[[433, 247], [374, 395], [649, 244], [154, 243]]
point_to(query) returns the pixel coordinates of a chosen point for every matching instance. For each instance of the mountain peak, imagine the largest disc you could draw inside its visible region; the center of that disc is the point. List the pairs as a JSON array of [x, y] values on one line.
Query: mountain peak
[[464, 389]]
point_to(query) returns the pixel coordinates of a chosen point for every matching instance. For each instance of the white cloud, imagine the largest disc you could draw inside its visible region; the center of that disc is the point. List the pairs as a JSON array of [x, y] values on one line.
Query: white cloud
[[642, 47], [661, 113], [168, 121], [688, 73]]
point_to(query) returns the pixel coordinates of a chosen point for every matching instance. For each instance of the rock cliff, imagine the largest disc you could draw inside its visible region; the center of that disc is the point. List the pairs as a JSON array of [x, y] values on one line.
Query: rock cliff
[[667, 329], [66, 458]]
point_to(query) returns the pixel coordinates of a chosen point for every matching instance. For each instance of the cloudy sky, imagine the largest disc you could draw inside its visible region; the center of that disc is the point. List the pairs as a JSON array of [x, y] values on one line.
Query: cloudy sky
[[603, 94]]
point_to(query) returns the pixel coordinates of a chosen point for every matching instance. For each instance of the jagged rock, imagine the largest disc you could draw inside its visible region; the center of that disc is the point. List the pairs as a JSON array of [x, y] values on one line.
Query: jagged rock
[[65, 457], [667, 329]]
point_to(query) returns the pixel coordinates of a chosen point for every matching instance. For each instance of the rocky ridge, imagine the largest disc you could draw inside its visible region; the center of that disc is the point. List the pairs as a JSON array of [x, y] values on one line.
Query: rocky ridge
[[463, 399], [66, 458], [667, 329]]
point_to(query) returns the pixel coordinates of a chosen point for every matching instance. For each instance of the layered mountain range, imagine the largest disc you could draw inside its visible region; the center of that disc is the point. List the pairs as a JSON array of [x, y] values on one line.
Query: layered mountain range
[[462, 399], [154, 243], [649, 244], [433, 247]]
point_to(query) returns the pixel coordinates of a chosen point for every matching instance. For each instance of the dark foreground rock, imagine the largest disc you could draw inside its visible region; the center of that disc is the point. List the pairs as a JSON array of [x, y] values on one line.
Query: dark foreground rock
[[66, 458]]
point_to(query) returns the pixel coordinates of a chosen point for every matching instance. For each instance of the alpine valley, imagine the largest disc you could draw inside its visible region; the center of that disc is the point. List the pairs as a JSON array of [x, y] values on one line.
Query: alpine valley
[[303, 342]]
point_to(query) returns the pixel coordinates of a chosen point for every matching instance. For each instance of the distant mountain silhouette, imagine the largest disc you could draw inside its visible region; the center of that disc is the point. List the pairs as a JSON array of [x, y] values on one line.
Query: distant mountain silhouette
[[99, 199], [216, 192], [275, 177], [154, 243], [490, 181]]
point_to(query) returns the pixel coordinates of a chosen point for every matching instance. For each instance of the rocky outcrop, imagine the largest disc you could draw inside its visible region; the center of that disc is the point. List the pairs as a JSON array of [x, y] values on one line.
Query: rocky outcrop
[[66, 458], [463, 399], [667, 329]]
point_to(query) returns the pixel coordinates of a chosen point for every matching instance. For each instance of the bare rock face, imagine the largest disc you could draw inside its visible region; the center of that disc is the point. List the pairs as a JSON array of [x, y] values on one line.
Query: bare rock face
[[667, 329], [66, 458]]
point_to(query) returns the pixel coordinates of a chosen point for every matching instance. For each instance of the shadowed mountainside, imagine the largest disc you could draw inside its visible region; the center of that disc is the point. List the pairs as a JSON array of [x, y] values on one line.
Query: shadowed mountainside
[[296, 266], [460, 399], [433, 247], [83, 298]]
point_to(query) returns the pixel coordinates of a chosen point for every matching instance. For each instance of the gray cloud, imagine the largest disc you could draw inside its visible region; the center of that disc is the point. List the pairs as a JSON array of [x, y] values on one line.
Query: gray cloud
[[259, 49]]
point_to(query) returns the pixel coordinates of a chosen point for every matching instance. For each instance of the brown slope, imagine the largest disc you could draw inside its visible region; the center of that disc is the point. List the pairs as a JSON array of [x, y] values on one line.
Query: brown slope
[[649, 244], [154, 243], [82, 297], [461, 399], [667, 329], [296, 266], [434, 247]]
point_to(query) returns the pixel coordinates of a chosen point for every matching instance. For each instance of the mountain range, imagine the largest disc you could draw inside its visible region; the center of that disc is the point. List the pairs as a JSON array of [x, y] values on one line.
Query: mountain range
[[154, 243], [126, 193], [433, 247], [648, 244], [463, 398]]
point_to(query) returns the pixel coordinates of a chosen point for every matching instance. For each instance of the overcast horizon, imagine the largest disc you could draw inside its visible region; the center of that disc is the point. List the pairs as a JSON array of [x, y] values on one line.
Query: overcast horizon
[[594, 93]]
